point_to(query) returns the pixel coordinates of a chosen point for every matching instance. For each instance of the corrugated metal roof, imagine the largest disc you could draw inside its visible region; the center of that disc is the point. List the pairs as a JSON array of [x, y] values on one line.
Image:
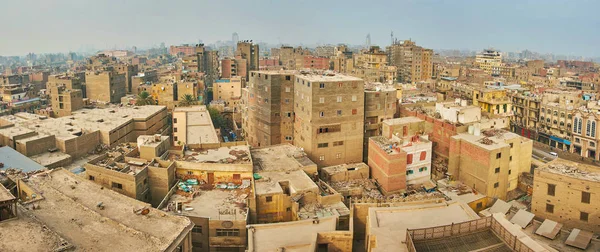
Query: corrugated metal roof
[[13, 159], [522, 218], [579, 238], [549, 229]]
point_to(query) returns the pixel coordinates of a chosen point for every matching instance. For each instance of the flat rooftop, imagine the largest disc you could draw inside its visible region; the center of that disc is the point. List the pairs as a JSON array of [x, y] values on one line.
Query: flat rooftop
[[28, 234], [402, 120], [67, 202], [282, 157], [239, 154], [50, 158], [151, 141], [389, 224], [379, 87], [13, 159], [344, 168], [315, 210], [326, 77], [216, 204], [298, 182], [491, 139], [572, 169], [368, 187]]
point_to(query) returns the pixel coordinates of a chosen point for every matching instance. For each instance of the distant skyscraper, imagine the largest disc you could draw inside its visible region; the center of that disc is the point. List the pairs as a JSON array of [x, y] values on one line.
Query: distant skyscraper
[[368, 44], [235, 38]]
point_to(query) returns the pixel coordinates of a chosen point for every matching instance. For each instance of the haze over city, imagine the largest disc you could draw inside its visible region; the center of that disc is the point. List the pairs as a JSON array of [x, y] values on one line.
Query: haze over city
[[560, 27]]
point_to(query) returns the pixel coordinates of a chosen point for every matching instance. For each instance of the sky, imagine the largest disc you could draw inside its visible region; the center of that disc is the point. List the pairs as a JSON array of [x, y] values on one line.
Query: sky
[[548, 26]]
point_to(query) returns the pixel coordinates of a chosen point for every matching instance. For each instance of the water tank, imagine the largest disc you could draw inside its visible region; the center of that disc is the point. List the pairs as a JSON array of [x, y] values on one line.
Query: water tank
[[471, 129]]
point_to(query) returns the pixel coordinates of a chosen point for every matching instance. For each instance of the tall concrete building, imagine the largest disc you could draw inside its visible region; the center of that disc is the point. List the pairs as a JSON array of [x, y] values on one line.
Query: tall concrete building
[[233, 67], [208, 63], [65, 101], [329, 117], [250, 52], [414, 63], [106, 86], [269, 114], [488, 60], [380, 105], [129, 71]]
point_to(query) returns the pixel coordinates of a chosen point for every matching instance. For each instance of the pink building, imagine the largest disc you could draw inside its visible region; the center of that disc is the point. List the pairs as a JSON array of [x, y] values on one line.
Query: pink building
[[313, 62]]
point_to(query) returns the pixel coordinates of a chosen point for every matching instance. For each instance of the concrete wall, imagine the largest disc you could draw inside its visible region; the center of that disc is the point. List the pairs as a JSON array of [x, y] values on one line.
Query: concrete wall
[[30, 147], [161, 179], [133, 185], [79, 146]]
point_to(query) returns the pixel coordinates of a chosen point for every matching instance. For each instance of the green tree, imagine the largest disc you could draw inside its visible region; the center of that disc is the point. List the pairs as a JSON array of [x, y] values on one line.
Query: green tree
[[188, 100], [217, 119], [144, 98]]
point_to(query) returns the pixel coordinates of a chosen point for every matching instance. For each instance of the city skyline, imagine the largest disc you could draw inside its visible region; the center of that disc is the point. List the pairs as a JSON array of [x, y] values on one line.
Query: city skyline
[[70, 25]]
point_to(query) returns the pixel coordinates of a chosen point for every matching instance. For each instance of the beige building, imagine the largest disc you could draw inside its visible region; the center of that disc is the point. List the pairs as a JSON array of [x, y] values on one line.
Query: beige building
[[107, 86], [193, 125], [64, 101], [250, 52], [71, 82], [489, 161], [268, 113], [55, 203], [567, 192], [228, 90], [414, 63], [372, 65], [329, 117], [380, 105], [488, 60]]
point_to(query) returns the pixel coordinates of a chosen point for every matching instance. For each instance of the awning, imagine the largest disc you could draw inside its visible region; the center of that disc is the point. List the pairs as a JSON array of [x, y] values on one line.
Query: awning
[[560, 140]]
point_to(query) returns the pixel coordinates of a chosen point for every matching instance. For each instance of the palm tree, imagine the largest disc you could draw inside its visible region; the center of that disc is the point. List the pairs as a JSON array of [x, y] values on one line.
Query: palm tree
[[144, 99], [188, 100]]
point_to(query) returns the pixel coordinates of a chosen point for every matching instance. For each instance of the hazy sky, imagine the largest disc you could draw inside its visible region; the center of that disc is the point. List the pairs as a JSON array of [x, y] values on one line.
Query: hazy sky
[[561, 27]]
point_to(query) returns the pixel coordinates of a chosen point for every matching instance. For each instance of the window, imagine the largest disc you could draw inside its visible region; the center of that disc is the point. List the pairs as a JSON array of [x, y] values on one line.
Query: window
[[308, 84], [174, 129], [511, 145], [339, 99], [510, 158], [228, 232], [338, 156], [145, 181], [322, 100], [174, 120], [354, 111], [509, 172], [287, 101], [409, 158], [322, 114], [92, 178], [323, 145], [585, 197], [497, 170], [593, 130], [190, 173], [287, 77], [197, 229], [269, 198], [322, 85], [588, 127], [549, 208], [422, 169], [496, 185], [479, 205], [498, 155], [321, 158], [339, 113], [175, 138], [354, 98], [288, 138], [338, 143], [551, 189], [409, 172], [288, 114], [197, 244], [117, 185], [583, 216], [340, 85], [423, 155]]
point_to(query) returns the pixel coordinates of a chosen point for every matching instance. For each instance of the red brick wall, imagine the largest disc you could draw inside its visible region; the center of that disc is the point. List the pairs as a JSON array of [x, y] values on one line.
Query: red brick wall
[[388, 170]]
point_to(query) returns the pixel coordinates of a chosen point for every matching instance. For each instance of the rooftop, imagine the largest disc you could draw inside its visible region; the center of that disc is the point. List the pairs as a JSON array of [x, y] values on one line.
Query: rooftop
[[316, 210], [151, 141], [282, 157], [389, 224], [378, 87], [12, 159], [326, 76], [216, 204], [572, 169], [402, 120], [298, 182], [67, 202], [239, 154], [490, 139]]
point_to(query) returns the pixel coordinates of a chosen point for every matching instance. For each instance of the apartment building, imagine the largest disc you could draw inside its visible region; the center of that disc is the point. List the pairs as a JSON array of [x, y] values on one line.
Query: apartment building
[[414, 63], [329, 117], [64, 101], [556, 118], [105, 86], [526, 109], [250, 52], [493, 101], [233, 67], [193, 125], [71, 82], [268, 118], [372, 65], [567, 192], [380, 105], [488, 60], [229, 91], [490, 161], [585, 138]]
